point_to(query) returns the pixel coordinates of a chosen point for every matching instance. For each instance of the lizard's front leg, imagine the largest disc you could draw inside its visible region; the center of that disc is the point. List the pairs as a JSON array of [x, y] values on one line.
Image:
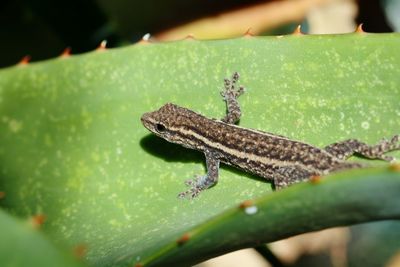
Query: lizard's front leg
[[230, 95], [202, 182]]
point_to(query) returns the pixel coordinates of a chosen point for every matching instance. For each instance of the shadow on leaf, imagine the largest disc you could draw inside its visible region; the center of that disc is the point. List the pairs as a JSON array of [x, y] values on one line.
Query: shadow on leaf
[[175, 153]]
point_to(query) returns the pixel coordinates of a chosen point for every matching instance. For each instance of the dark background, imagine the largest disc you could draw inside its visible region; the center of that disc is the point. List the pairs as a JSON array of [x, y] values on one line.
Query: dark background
[[44, 28]]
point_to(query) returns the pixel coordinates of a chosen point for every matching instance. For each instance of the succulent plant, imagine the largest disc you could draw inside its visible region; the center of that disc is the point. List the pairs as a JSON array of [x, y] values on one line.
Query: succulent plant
[[72, 146]]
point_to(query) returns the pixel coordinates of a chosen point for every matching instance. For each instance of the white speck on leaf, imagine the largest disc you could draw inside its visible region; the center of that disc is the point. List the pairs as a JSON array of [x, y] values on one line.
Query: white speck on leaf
[[251, 210], [365, 125]]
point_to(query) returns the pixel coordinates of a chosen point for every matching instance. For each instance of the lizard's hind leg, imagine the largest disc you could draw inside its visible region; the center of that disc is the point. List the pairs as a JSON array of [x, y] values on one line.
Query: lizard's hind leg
[[347, 148], [288, 175], [230, 95]]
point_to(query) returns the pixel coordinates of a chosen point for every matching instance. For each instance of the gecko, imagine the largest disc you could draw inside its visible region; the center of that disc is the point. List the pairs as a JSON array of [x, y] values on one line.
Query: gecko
[[278, 159]]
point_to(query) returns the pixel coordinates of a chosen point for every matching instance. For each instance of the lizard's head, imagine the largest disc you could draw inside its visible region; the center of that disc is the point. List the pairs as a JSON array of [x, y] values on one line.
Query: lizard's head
[[169, 122]]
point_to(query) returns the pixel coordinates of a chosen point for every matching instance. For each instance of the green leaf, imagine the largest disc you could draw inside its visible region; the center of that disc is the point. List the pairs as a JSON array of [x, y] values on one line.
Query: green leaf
[[342, 199], [72, 146], [22, 245]]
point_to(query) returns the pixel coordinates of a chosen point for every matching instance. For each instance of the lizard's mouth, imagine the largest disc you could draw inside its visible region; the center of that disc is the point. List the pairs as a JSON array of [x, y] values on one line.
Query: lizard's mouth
[[146, 121]]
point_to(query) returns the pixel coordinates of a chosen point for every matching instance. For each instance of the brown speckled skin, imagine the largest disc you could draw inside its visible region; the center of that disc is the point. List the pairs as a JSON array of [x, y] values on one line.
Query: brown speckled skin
[[274, 157]]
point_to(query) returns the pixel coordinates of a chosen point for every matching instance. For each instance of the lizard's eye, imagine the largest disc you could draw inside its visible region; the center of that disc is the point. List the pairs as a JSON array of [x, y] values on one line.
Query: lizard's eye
[[160, 128]]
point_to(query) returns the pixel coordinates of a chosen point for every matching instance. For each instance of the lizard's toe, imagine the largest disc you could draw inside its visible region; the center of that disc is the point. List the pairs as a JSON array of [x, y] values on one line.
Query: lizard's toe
[[191, 193], [193, 181]]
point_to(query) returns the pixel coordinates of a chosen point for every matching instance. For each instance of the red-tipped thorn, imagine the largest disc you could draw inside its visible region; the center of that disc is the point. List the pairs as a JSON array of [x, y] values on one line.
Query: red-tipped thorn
[[315, 179], [25, 60], [190, 36], [80, 251], [66, 52], [246, 204], [2, 194], [183, 239], [38, 220], [359, 28], [102, 46], [145, 39], [395, 167], [297, 31], [248, 33]]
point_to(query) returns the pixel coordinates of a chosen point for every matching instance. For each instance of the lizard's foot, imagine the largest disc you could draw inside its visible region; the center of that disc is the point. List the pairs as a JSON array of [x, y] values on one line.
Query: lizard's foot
[[230, 96], [231, 91], [191, 193], [386, 146], [194, 181], [196, 185]]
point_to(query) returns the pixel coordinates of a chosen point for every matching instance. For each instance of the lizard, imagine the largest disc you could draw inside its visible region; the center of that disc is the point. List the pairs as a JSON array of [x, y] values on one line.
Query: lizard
[[281, 160]]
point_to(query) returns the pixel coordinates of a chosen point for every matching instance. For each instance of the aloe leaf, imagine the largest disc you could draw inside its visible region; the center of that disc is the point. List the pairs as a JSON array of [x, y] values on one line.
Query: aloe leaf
[[342, 199], [72, 146], [23, 245]]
